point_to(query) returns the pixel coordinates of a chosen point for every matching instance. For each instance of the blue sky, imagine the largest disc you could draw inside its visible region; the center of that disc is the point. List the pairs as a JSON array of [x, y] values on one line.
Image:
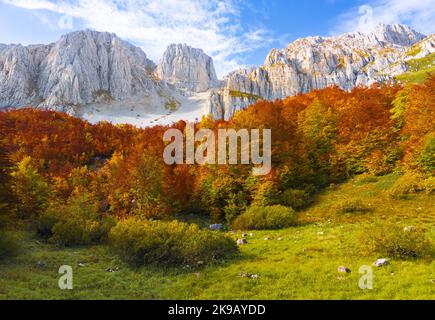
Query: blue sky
[[234, 32]]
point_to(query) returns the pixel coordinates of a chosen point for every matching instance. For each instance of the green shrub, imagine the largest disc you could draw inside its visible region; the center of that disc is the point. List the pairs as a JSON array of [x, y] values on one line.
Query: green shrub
[[76, 223], [411, 183], [394, 241], [296, 199], [265, 194], [352, 206], [236, 204], [169, 243], [31, 190], [8, 244], [266, 218], [427, 159]]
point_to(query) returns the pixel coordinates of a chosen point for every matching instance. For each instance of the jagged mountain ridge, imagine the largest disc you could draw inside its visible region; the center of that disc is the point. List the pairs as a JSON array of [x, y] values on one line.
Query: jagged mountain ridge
[[86, 72], [317, 62], [81, 68]]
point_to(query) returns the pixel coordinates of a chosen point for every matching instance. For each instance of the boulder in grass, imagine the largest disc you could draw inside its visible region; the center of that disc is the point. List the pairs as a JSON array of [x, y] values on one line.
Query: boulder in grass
[[216, 227], [342, 269], [409, 229], [381, 263], [241, 242]]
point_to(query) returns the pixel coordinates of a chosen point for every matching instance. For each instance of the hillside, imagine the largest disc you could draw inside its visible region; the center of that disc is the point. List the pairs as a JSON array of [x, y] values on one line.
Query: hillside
[[352, 181], [303, 265]]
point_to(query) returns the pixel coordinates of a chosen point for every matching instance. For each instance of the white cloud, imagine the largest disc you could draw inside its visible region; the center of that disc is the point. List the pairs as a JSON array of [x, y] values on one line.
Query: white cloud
[[419, 14], [212, 25]]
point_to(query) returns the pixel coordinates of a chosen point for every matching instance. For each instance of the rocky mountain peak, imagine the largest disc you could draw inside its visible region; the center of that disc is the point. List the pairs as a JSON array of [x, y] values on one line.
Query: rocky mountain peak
[[89, 70], [76, 70], [348, 60], [187, 68], [397, 34]]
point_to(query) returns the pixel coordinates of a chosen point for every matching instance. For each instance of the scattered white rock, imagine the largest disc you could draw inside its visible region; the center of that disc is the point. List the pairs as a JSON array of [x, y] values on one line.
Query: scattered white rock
[[250, 276], [381, 263], [41, 264], [216, 227], [241, 242], [342, 269], [409, 229]]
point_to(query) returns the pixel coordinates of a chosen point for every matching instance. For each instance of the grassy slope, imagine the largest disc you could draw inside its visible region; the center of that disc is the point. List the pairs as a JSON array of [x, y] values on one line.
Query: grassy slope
[[419, 70], [301, 266]]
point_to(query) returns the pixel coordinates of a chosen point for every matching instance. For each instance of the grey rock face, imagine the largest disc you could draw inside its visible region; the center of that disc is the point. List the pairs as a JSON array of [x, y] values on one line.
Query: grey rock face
[[90, 70], [316, 62], [81, 68], [19, 74], [188, 69], [397, 34]]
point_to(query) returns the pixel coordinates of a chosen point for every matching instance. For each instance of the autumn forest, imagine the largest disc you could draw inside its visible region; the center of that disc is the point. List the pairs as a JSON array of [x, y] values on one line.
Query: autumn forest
[[71, 184]]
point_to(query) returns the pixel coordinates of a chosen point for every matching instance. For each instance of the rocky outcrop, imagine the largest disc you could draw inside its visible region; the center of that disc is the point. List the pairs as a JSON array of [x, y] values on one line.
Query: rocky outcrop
[[81, 68], [317, 62], [96, 73], [398, 34], [188, 69]]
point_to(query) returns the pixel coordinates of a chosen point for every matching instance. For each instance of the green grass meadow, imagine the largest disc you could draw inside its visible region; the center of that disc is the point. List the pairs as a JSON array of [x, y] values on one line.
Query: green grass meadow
[[296, 263]]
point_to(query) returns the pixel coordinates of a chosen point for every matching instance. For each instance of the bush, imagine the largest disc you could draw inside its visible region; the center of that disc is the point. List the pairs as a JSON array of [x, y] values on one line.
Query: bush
[[394, 241], [236, 204], [76, 223], [169, 243], [427, 159], [266, 218], [411, 183], [296, 199], [352, 206], [266, 194], [8, 244], [30, 189]]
